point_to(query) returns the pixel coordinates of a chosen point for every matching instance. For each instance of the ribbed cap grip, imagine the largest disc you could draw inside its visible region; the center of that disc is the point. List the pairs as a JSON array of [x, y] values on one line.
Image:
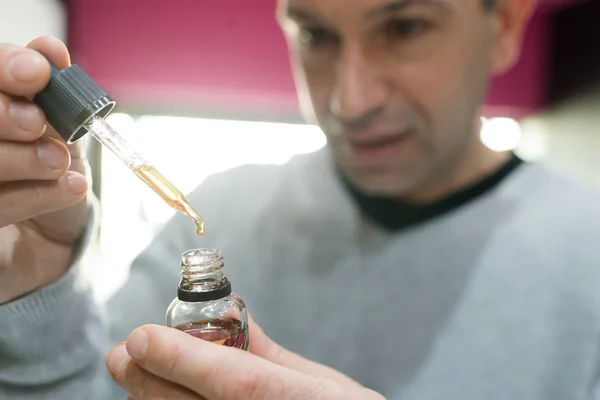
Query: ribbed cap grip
[[70, 99]]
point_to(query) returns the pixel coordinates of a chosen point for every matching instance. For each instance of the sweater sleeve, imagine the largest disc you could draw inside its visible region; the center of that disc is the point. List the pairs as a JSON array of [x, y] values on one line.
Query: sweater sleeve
[[52, 341]]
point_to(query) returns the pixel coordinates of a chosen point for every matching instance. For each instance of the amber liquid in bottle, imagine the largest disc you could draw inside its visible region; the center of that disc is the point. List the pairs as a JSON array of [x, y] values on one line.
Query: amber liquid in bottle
[[169, 193], [225, 332]]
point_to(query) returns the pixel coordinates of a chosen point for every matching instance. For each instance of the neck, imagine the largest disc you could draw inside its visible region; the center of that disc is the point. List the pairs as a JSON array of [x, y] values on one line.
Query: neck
[[466, 168]]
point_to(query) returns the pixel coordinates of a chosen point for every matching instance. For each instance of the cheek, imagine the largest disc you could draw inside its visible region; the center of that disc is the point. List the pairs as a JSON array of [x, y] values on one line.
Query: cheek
[[445, 88], [319, 81], [310, 86], [433, 96]]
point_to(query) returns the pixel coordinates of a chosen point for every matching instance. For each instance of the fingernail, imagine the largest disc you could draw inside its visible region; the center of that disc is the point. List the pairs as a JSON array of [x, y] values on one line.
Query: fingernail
[[137, 344], [24, 67], [116, 359], [77, 183], [52, 154], [26, 116]]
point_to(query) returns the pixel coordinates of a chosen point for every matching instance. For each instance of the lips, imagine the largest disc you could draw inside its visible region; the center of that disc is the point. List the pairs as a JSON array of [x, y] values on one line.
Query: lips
[[372, 141], [376, 148]]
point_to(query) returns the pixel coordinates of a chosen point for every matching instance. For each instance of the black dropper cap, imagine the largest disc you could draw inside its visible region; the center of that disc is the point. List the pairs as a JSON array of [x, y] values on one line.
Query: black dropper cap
[[71, 99]]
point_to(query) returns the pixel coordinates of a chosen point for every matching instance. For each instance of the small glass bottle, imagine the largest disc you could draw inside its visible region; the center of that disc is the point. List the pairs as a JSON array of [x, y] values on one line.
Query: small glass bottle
[[205, 306]]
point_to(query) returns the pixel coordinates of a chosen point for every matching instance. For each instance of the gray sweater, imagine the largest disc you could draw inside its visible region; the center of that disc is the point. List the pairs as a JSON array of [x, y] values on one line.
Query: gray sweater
[[497, 299]]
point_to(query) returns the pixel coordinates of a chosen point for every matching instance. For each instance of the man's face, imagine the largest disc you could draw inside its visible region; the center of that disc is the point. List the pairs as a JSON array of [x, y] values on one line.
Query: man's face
[[394, 84]]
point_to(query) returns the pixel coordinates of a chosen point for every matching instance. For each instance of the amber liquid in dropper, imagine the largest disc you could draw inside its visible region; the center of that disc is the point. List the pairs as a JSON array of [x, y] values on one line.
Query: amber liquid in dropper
[[173, 197]]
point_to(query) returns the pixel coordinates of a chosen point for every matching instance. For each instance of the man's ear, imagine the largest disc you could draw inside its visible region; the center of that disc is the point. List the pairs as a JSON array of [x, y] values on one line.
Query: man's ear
[[509, 24]]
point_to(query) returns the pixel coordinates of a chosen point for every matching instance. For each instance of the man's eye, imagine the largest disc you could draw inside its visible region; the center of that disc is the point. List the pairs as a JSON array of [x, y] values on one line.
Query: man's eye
[[317, 37], [406, 28]]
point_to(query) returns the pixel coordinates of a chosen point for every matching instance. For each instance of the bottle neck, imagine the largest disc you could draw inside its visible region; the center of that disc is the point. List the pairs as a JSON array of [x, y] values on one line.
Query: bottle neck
[[202, 278]]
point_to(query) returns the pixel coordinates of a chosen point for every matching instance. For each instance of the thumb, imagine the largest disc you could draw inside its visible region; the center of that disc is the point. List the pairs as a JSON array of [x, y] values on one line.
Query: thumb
[[53, 49], [262, 346], [56, 52]]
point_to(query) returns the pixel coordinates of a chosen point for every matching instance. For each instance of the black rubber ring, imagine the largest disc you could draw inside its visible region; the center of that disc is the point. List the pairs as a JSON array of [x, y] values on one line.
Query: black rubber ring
[[195, 297]]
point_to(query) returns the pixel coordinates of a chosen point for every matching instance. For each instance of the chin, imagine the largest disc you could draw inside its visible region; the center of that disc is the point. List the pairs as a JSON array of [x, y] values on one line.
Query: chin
[[379, 183]]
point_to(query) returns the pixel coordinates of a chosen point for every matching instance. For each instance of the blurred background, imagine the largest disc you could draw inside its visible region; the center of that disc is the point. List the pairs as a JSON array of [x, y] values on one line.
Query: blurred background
[[204, 86]]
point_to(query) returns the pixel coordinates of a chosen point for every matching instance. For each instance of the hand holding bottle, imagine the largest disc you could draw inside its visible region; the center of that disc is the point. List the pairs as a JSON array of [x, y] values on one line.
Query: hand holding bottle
[[41, 179], [160, 362]]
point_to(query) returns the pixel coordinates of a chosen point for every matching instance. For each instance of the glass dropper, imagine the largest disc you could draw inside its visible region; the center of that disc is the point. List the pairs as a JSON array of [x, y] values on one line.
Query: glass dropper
[[75, 105], [106, 135]]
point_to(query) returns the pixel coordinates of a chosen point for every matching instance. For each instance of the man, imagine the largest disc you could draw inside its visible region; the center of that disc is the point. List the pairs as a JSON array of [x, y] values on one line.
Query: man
[[406, 255]]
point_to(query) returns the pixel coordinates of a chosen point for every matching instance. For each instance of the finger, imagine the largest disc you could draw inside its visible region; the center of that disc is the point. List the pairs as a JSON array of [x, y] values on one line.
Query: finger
[[24, 71], [52, 50], [260, 343], [263, 346], [43, 160], [23, 200], [77, 150], [139, 383], [219, 372], [22, 120]]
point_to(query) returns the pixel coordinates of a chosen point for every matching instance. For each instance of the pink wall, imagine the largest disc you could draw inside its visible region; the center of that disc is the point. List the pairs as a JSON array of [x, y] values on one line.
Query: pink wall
[[229, 55], [182, 52], [522, 90]]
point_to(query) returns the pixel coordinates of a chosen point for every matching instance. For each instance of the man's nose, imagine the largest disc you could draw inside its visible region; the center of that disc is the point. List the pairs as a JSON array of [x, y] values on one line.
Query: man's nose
[[360, 90]]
